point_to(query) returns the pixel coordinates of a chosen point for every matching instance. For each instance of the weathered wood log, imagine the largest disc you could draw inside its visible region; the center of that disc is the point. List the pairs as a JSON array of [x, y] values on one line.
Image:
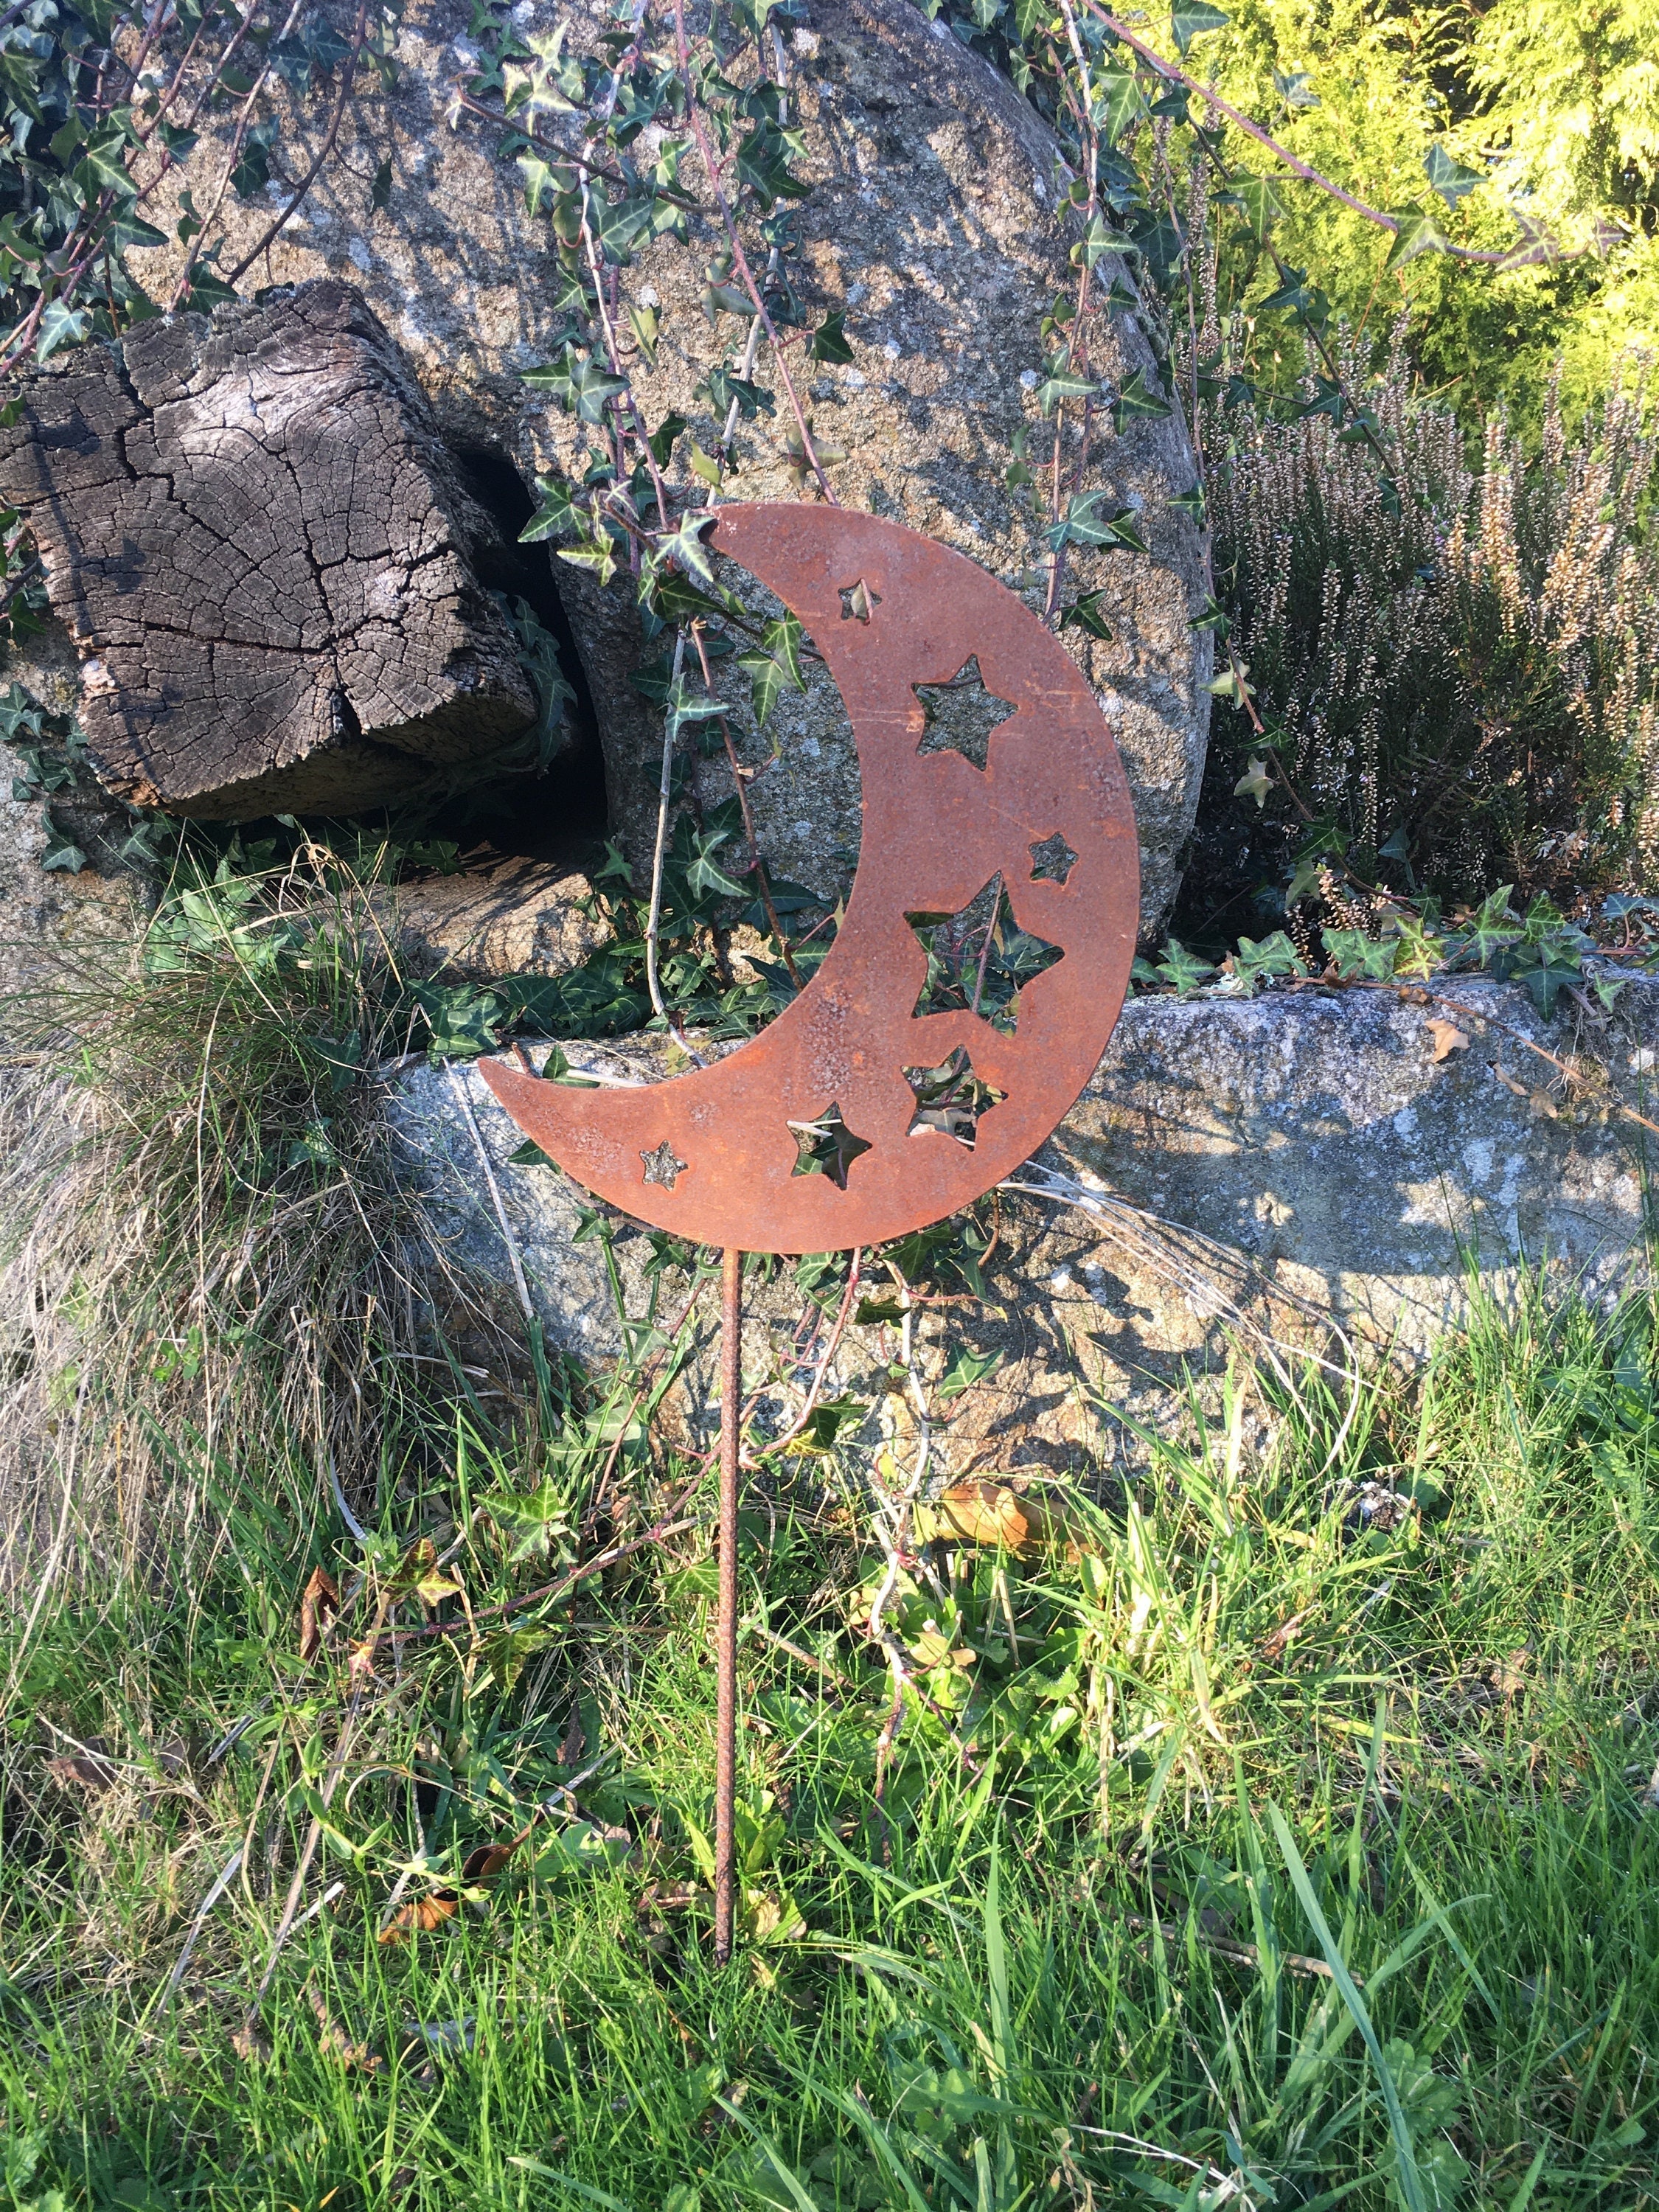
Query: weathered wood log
[[265, 556]]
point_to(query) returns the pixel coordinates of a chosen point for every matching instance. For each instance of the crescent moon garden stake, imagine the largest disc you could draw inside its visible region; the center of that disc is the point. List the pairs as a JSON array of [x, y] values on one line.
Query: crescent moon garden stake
[[842, 1124]]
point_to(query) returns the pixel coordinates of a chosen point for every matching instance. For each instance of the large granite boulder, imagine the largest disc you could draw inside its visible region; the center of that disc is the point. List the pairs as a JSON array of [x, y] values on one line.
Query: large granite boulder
[[1280, 1167], [933, 224]]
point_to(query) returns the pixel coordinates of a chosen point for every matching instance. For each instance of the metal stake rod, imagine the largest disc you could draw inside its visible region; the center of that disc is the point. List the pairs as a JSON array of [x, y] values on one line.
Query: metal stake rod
[[726, 1716]]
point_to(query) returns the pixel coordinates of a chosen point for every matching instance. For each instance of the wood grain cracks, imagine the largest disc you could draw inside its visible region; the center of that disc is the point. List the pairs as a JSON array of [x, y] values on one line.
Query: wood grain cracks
[[266, 558]]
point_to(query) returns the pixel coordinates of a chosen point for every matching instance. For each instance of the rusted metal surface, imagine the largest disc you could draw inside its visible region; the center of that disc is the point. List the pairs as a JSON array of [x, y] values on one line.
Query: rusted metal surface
[[715, 1154], [725, 1717]]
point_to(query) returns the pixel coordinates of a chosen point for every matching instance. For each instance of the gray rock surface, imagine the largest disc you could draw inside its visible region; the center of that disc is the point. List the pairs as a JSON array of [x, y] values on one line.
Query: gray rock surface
[[264, 556], [1267, 1165], [934, 223], [511, 917]]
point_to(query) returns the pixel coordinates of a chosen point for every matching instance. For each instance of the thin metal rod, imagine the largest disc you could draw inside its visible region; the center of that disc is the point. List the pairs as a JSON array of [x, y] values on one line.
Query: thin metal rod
[[726, 1715]]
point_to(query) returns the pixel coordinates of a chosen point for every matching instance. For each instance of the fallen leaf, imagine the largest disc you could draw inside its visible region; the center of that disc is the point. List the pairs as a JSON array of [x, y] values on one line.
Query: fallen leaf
[[86, 1768], [361, 1665], [485, 1862], [979, 1513], [668, 1897], [420, 1917], [318, 1603], [1275, 1645], [334, 2042], [1508, 1676], [249, 2045], [1508, 1081], [1448, 1039]]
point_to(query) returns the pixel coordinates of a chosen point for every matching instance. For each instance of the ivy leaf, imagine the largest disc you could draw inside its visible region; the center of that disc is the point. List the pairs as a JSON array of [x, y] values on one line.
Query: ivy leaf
[[1255, 783], [598, 554], [102, 163], [724, 385], [1062, 384], [1134, 399], [1420, 232], [686, 548], [1274, 956], [1096, 242], [685, 707], [60, 325], [829, 339], [1493, 925], [1293, 294], [1191, 19], [664, 436], [1214, 617], [1084, 614], [964, 1370], [762, 163], [1295, 89], [1449, 176], [774, 667], [1191, 502], [1083, 524], [1259, 197], [556, 513], [1183, 969], [1121, 102], [706, 880], [417, 1574], [1327, 400], [1356, 954], [253, 171]]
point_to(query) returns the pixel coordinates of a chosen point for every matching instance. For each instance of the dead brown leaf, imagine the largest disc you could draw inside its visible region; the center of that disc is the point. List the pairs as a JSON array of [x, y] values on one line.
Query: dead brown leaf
[[86, 1768], [361, 1668], [335, 2043], [249, 2045], [484, 1863], [421, 1916], [1447, 1038], [1275, 1646], [318, 1603], [668, 1897], [987, 1513], [1509, 1675]]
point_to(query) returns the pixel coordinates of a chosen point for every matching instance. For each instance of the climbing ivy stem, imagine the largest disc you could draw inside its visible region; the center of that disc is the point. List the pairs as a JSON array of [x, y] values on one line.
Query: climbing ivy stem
[[711, 169]]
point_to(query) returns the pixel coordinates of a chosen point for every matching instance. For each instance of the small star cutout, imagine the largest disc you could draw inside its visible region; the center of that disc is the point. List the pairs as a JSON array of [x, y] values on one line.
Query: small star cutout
[[826, 1147], [661, 1166], [858, 601], [1052, 859]]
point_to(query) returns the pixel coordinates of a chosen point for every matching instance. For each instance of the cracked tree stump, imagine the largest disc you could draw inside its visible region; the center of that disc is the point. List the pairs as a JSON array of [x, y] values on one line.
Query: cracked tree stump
[[266, 558]]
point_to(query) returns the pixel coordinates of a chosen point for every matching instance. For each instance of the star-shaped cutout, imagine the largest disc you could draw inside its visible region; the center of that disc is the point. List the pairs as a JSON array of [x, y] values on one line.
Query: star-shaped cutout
[[979, 959], [961, 713], [1052, 859], [826, 1147], [952, 1098], [662, 1167]]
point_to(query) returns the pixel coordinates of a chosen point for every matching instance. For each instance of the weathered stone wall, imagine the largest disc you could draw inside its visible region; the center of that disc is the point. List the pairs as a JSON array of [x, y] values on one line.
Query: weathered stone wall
[[1299, 1155]]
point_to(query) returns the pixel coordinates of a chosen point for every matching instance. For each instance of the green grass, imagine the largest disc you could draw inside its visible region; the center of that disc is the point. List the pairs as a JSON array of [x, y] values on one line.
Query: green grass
[[1235, 1849], [1067, 1962]]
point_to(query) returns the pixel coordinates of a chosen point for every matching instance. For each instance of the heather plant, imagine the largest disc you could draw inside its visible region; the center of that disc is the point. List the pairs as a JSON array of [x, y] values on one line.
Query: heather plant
[[1455, 674]]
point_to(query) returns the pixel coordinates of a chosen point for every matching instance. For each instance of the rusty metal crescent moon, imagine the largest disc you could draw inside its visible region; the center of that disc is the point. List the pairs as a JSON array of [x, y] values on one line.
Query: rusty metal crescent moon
[[889, 610]]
